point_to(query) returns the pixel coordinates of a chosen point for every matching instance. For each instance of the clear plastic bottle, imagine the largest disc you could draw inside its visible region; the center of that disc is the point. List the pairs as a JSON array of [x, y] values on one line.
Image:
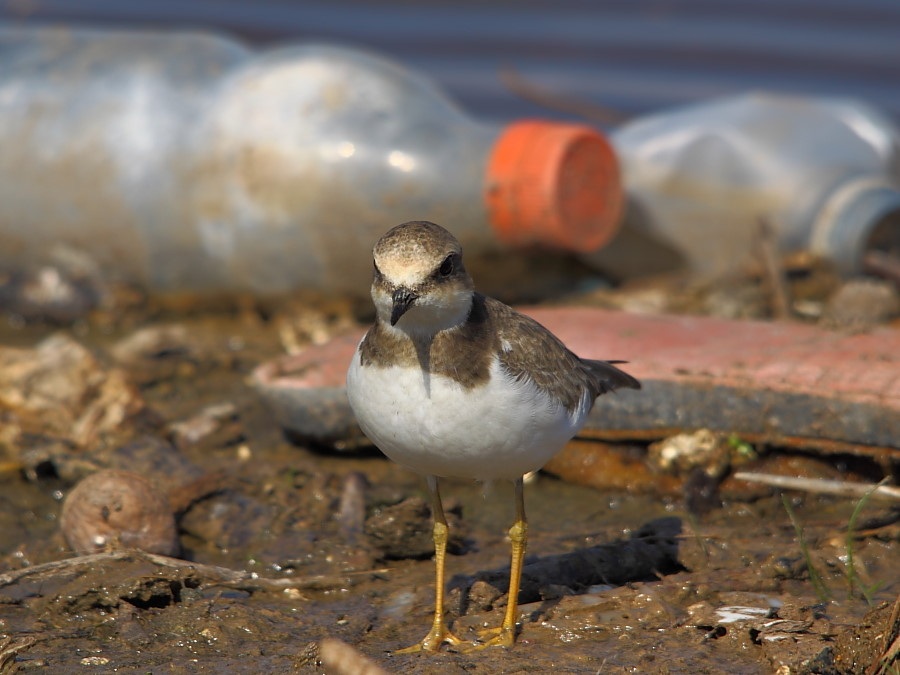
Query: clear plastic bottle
[[825, 174], [185, 162]]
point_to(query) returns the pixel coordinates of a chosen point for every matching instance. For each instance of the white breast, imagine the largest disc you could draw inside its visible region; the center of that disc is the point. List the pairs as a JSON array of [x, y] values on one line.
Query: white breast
[[433, 425]]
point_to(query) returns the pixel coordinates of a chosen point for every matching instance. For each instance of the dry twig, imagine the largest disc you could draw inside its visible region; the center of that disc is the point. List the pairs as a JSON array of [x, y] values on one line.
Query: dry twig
[[568, 104], [774, 277], [214, 575]]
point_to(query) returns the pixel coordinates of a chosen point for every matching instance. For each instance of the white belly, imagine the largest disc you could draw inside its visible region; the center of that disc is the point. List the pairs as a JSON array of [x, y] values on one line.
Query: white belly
[[502, 429]]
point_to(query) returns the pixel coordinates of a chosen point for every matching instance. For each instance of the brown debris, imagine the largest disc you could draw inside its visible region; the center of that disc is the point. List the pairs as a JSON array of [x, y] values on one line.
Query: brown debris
[[58, 398], [9, 648], [217, 425], [607, 466], [165, 352], [682, 453], [674, 470], [152, 343]]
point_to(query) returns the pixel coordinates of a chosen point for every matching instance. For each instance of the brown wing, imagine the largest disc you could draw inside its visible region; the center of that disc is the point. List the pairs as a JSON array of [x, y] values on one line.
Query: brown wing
[[540, 356]]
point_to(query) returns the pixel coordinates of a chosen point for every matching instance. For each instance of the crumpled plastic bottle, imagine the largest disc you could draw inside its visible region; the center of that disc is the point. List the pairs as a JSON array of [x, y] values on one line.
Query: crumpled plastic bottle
[[824, 173], [188, 163]]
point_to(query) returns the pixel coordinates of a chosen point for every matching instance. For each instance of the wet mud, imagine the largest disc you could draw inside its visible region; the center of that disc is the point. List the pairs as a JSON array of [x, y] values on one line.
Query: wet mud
[[299, 559]]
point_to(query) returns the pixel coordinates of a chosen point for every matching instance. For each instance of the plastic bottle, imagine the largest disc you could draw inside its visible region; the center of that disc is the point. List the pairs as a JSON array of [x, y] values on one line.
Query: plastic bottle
[[825, 174], [186, 162]]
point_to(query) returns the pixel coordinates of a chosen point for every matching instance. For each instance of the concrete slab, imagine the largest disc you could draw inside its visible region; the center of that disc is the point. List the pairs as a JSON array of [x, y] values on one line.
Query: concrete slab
[[784, 383]]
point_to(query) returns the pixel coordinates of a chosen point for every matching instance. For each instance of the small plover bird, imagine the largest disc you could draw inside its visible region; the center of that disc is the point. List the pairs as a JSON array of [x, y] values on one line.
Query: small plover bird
[[451, 383]]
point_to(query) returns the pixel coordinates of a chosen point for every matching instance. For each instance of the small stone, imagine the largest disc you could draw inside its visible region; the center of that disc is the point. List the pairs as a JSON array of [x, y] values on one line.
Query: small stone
[[114, 509], [861, 304]]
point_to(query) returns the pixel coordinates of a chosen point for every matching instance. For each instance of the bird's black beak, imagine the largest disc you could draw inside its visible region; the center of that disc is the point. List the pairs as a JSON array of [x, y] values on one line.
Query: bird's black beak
[[402, 301]]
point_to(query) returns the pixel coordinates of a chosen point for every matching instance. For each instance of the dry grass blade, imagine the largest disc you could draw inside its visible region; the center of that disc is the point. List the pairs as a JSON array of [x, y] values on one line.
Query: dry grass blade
[[822, 486]]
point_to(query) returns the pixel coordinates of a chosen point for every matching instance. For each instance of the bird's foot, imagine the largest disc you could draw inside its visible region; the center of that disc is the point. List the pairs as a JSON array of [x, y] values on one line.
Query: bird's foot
[[432, 642], [503, 636]]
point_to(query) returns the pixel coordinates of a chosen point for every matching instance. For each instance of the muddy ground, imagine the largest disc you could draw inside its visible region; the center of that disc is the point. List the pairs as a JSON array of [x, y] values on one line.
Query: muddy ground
[[279, 545]]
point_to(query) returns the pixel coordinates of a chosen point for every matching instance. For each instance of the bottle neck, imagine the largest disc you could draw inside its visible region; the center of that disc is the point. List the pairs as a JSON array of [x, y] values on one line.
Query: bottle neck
[[860, 215]]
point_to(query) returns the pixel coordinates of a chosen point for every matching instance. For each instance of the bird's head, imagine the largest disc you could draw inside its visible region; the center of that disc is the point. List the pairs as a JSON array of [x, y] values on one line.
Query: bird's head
[[420, 285]]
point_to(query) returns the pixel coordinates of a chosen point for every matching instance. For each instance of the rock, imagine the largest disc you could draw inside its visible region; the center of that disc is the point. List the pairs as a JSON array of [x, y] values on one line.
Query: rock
[[114, 509], [861, 304], [404, 530]]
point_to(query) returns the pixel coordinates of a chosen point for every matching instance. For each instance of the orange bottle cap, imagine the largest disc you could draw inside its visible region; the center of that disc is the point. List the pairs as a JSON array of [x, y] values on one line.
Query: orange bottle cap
[[553, 184]]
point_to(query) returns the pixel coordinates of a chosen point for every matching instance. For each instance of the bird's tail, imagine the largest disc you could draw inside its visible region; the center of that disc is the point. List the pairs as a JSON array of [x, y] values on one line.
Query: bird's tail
[[606, 377]]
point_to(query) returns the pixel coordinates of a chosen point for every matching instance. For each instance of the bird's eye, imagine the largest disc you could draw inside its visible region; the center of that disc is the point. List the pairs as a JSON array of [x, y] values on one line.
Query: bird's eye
[[447, 266]]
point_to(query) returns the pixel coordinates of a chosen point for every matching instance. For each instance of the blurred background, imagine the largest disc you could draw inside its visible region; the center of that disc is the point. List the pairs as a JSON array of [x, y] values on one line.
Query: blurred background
[[572, 58]]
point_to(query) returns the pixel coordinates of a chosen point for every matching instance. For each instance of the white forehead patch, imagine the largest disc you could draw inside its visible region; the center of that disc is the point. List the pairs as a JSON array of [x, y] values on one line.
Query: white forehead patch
[[409, 253], [405, 271]]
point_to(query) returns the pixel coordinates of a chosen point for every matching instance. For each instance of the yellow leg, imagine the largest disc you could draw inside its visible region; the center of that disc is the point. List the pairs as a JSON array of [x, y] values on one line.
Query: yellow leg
[[505, 635], [439, 633]]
